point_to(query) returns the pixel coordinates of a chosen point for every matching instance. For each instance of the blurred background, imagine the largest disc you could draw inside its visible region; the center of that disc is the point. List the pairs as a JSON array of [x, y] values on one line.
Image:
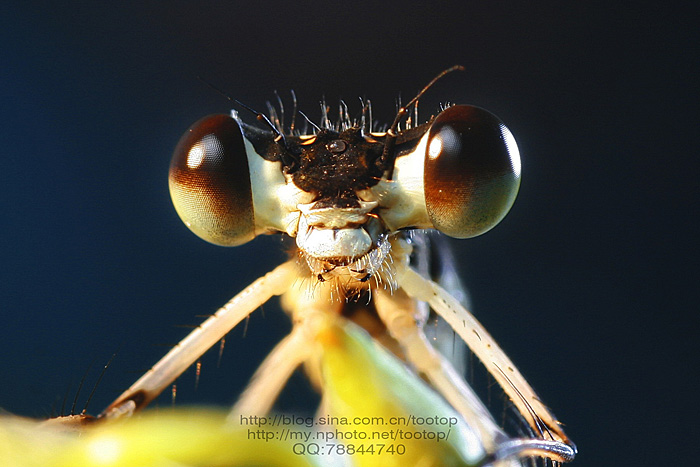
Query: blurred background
[[589, 284]]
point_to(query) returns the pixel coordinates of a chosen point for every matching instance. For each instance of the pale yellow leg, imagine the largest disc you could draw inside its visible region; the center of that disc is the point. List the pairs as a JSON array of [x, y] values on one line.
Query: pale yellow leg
[[495, 360], [187, 351], [397, 312], [273, 374]]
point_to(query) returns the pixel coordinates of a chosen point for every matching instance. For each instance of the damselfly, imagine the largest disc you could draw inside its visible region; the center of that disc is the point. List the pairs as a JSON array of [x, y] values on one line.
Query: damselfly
[[357, 203]]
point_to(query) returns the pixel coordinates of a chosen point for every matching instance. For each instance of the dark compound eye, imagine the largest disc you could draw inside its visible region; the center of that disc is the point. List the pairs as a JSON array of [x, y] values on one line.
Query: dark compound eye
[[472, 171], [210, 182]]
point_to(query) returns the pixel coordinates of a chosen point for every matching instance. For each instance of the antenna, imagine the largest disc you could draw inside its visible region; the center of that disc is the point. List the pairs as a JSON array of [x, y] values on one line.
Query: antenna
[[387, 155], [279, 138]]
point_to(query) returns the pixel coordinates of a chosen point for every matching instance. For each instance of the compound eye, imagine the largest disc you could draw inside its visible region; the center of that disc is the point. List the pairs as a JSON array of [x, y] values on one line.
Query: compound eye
[[210, 182], [471, 172]]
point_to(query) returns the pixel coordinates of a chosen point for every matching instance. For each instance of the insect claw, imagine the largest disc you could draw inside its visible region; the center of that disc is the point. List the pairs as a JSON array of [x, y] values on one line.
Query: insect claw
[[519, 448]]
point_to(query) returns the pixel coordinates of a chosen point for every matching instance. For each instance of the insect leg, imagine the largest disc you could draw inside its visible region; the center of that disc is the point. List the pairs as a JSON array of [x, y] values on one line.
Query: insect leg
[[309, 304], [397, 311], [272, 375], [187, 351], [485, 348]]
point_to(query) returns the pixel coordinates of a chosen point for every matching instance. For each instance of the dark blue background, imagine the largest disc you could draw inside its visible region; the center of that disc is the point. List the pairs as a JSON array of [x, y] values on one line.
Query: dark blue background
[[589, 284]]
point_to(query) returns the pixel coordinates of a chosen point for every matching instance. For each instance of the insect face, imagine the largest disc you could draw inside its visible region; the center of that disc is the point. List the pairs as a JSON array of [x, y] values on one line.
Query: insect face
[[335, 193]]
